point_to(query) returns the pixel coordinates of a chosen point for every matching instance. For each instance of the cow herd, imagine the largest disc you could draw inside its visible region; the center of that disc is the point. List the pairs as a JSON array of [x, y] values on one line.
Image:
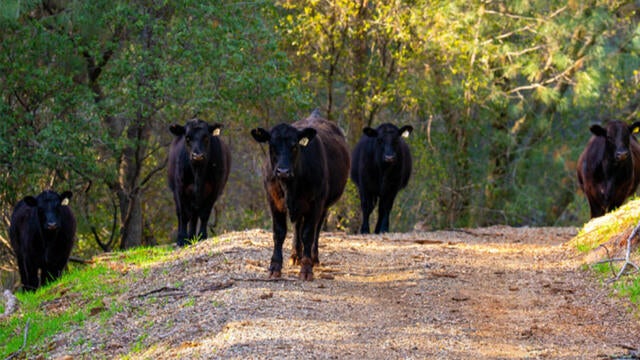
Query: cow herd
[[304, 174]]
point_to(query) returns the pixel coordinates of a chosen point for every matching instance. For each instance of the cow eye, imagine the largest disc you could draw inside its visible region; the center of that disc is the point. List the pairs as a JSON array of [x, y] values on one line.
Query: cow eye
[[187, 138]]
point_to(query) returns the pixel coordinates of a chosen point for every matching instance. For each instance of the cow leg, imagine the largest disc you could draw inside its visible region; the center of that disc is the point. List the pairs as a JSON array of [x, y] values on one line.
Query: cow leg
[[296, 248], [314, 255], [30, 280], [24, 275], [279, 233], [50, 274], [192, 226], [309, 227], [596, 208], [204, 220], [184, 219], [367, 203], [384, 210]]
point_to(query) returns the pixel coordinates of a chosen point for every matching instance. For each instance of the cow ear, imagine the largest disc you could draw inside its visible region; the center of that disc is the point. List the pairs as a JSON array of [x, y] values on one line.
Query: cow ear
[[260, 135], [66, 196], [30, 200], [306, 135], [177, 130], [215, 129], [598, 130], [370, 132], [405, 131], [635, 127]]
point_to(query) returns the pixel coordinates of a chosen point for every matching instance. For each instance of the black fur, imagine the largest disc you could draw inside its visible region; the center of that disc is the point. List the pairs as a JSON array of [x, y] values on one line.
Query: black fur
[[609, 167], [198, 170], [305, 174], [42, 233], [381, 167]]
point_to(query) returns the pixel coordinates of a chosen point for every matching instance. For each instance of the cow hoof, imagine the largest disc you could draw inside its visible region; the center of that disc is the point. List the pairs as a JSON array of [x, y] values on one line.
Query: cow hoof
[[305, 276], [275, 271], [306, 269]]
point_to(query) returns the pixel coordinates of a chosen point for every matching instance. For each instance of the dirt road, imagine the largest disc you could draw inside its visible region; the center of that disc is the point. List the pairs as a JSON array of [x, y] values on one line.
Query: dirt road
[[490, 293]]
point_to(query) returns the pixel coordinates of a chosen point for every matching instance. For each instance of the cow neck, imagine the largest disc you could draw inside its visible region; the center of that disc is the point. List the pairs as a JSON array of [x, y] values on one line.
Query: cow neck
[[293, 188], [47, 235], [611, 164]]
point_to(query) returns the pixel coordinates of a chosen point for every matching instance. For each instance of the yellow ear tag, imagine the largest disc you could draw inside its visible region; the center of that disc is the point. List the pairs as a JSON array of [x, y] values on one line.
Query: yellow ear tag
[[304, 141], [635, 130], [65, 202], [216, 132], [405, 134]]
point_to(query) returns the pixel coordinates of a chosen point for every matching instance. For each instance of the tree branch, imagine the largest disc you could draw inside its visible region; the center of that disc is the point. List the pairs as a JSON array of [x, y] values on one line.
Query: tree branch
[[557, 77]]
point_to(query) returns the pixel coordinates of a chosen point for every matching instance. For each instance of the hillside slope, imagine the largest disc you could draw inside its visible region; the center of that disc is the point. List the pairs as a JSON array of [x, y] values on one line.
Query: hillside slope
[[485, 293]]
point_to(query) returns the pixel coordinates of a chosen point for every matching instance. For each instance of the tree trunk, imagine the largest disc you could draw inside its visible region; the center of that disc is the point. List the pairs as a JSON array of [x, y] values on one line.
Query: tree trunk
[[131, 219], [356, 111]]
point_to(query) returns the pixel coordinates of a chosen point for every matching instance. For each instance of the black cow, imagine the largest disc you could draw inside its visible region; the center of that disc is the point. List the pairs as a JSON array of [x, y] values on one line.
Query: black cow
[[42, 232], [381, 167], [198, 170], [306, 173], [609, 167]]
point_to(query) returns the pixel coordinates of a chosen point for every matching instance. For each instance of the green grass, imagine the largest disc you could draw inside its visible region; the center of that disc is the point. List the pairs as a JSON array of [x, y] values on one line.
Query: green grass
[[69, 301], [630, 288]]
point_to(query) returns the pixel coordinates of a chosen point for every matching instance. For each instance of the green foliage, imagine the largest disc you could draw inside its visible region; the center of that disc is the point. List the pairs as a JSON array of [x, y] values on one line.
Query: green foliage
[[500, 94]]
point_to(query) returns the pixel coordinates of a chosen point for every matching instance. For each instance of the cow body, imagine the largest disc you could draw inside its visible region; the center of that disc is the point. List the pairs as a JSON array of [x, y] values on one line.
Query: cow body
[[306, 173], [198, 170], [42, 233], [609, 167], [381, 167]]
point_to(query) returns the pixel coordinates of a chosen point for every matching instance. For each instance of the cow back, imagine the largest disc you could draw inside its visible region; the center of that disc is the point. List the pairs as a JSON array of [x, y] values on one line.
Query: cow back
[[20, 228], [336, 153], [220, 163], [404, 162]]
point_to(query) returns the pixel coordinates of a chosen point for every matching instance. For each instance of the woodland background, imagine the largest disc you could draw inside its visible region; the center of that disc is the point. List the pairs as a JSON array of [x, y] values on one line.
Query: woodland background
[[500, 94]]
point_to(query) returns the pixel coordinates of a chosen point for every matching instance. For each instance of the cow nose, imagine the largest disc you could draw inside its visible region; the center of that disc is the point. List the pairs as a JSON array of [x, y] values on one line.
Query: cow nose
[[197, 156], [52, 226], [283, 173], [621, 155], [389, 158]]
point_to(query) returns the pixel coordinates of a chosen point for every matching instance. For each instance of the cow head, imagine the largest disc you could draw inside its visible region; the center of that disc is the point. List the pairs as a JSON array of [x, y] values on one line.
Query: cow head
[[387, 140], [285, 145], [197, 135], [617, 136], [49, 204]]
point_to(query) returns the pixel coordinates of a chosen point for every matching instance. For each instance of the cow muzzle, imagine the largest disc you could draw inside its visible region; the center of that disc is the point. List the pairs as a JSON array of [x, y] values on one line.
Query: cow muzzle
[[197, 156], [52, 226], [621, 155], [389, 158], [283, 173]]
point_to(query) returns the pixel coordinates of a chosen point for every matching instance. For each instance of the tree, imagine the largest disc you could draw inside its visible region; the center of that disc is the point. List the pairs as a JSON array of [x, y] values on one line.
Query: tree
[[353, 53], [118, 74]]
